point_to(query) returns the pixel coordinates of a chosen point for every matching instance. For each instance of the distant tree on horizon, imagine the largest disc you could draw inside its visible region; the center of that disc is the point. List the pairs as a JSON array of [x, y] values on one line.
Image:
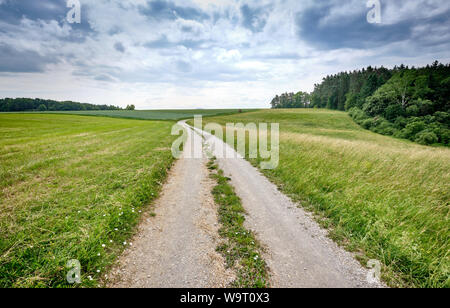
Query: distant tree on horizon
[[38, 104]]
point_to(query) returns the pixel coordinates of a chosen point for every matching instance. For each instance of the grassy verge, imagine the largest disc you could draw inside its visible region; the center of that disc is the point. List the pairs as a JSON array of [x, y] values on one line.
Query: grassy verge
[[241, 250], [73, 188], [383, 198]]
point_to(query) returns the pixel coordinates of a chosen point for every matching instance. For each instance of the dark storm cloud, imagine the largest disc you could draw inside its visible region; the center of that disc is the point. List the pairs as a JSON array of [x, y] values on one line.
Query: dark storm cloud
[[168, 10], [22, 61], [353, 31]]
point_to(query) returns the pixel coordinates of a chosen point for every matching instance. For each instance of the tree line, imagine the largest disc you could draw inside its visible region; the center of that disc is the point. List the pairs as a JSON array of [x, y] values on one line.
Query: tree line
[[37, 104], [404, 102], [291, 100]]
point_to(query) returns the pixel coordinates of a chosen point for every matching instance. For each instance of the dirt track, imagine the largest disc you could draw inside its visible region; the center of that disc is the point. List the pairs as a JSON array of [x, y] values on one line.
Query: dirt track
[[299, 253], [177, 247]]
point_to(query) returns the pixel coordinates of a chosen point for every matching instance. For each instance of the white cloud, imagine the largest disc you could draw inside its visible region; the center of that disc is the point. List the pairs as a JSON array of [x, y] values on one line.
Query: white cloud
[[229, 55], [214, 62]]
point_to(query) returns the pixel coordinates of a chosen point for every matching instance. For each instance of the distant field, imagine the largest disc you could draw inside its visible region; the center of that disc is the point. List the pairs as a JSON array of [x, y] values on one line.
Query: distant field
[[155, 114], [70, 184], [384, 198]]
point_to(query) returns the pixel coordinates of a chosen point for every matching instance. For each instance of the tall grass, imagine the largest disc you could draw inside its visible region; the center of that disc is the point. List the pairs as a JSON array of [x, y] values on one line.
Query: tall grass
[[383, 198], [73, 188]]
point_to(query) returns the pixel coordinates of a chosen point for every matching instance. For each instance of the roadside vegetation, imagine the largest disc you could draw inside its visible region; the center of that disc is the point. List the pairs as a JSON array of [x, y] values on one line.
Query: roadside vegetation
[[74, 187], [241, 250], [407, 103], [382, 198]]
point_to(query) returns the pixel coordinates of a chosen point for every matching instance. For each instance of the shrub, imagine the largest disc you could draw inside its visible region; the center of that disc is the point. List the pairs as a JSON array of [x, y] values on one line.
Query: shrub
[[401, 122], [385, 128], [401, 134], [429, 119], [425, 106], [393, 112], [357, 114], [368, 123], [413, 128], [445, 136], [412, 111], [442, 117], [426, 137]]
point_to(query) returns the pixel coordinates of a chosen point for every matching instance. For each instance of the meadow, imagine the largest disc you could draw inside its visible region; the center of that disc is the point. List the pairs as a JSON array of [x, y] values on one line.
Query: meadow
[[382, 198], [154, 114], [74, 187]]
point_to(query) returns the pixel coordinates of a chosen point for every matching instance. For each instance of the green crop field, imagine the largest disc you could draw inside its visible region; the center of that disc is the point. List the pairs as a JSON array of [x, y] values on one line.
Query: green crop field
[[382, 198], [155, 114], [73, 187]]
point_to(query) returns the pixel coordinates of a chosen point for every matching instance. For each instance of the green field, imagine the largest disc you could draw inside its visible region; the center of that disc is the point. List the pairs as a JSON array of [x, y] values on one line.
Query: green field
[[70, 184], [154, 114], [384, 198]]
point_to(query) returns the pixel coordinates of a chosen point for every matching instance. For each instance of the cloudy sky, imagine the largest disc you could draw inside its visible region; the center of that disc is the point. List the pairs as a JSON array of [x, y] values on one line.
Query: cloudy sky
[[206, 53]]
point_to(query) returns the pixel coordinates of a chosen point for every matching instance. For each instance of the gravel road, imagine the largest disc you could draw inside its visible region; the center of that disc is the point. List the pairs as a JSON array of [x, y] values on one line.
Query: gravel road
[[299, 253], [177, 247]]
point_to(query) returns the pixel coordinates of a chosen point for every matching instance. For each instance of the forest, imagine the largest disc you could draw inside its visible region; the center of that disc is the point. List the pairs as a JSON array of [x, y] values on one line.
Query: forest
[[404, 102], [37, 104]]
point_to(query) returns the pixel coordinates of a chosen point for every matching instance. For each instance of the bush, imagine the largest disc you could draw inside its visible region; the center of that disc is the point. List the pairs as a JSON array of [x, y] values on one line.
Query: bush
[[425, 106], [426, 130], [357, 114], [385, 128], [394, 111], [367, 124], [412, 111], [413, 128], [400, 122], [445, 136], [426, 137], [442, 117]]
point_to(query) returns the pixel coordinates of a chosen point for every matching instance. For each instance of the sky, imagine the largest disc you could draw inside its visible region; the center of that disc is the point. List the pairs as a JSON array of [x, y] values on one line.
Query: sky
[[206, 53]]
